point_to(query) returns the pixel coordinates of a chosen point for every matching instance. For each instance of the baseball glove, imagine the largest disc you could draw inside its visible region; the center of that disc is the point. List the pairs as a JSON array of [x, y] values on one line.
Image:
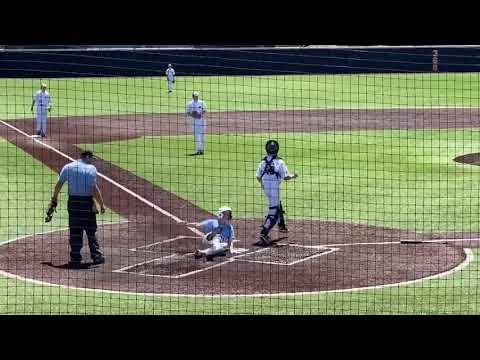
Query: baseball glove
[[52, 207], [196, 115]]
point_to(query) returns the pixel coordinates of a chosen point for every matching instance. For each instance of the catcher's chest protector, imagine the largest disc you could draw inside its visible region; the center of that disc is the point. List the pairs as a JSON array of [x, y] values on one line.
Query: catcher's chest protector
[[270, 167]]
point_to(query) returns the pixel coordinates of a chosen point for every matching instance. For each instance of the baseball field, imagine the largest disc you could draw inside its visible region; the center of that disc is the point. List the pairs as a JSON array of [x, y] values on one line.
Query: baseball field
[[382, 159]]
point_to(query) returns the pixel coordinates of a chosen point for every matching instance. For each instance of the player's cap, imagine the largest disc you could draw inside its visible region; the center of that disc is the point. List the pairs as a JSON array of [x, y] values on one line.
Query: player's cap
[[43, 85], [169, 65], [195, 93], [87, 154]]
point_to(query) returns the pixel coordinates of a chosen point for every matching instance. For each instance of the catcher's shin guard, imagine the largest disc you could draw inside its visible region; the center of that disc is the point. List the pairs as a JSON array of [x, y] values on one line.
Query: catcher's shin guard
[[270, 220], [281, 218]]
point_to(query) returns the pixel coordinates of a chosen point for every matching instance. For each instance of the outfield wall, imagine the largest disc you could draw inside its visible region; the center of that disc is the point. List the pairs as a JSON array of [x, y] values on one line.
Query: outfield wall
[[264, 61]]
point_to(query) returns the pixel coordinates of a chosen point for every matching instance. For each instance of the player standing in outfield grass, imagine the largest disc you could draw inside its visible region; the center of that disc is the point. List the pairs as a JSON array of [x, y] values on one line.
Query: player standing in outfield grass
[[81, 176], [170, 73], [218, 234], [270, 173], [196, 109], [43, 100]]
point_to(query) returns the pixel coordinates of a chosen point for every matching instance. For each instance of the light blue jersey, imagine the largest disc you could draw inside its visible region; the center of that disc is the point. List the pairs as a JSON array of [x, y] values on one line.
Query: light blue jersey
[[227, 233], [81, 178]]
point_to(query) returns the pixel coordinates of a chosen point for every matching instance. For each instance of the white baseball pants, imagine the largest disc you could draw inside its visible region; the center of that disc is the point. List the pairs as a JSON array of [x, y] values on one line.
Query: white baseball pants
[[199, 129], [214, 246], [42, 121]]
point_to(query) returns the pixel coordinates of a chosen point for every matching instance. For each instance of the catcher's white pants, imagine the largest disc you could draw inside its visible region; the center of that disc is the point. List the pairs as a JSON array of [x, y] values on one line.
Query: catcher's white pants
[[272, 190], [199, 128], [171, 85], [42, 121], [214, 246]]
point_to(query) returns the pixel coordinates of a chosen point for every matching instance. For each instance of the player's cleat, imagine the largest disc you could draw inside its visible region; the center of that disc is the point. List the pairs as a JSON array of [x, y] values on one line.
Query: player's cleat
[[197, 255], [209, 257], [283, 229], [264, 240], [99, 259], [199, 153]]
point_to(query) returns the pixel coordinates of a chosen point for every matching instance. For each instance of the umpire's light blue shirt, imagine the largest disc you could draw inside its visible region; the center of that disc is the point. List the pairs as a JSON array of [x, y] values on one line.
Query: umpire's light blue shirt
[[81, 178]]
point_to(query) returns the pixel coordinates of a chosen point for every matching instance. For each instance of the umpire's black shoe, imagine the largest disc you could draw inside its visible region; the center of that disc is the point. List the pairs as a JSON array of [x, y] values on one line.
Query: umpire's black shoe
[[209, 257], [97, 260]]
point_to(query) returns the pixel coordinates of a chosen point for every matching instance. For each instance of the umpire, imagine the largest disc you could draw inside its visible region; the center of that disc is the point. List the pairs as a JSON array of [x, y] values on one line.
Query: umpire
[[81, 176]]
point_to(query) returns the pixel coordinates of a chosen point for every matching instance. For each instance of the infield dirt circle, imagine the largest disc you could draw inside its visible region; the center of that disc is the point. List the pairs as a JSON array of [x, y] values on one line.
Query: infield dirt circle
[[151, 253]]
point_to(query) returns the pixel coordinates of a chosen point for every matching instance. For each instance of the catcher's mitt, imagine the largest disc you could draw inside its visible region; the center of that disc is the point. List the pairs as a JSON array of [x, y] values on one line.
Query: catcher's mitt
[[52, 207], [196, 115]]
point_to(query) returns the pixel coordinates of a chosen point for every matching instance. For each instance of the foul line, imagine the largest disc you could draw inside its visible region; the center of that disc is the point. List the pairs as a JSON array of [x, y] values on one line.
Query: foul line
[[399, 242], [113, 182]]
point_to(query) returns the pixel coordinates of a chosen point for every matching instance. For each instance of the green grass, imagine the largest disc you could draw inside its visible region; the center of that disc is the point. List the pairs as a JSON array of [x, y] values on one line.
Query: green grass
[[456, 294], [397, 178], [119, 95], [26, 187]]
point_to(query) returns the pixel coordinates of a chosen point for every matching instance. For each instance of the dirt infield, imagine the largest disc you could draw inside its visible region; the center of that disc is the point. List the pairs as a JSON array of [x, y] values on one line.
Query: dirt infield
[[152, 253]]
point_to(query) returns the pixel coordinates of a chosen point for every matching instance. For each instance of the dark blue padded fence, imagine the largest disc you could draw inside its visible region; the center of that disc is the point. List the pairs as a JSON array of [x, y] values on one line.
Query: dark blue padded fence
[[234, 62]]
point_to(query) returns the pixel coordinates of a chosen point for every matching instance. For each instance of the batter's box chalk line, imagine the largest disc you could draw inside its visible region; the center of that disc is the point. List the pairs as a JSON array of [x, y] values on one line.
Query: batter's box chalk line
[[269, 254], [146, 248]]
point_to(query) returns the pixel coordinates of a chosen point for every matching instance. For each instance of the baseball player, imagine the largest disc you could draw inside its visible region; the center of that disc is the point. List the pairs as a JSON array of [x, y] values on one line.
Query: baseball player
[[170, 73], [270, 173], [196, 109], [218, 235], [43, 100]]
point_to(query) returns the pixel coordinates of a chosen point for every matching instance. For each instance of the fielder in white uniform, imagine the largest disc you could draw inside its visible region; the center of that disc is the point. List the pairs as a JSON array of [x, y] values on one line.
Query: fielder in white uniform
[[270, 173], [196, 109], [218, 235], [170, 73], [43, 100]]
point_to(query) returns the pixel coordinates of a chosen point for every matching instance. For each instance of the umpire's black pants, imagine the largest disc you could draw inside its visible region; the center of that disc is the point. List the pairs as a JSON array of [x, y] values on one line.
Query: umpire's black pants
[[82, 217]]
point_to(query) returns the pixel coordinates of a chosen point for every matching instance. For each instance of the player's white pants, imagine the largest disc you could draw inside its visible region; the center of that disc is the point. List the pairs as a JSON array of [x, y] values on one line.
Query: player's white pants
[[199, 128], [272, 190], [214, 246], [171, 85], [42, 121]]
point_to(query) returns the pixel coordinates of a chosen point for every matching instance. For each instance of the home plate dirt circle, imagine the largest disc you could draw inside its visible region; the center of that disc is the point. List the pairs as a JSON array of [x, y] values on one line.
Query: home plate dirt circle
[[161, 261], [152, 253]]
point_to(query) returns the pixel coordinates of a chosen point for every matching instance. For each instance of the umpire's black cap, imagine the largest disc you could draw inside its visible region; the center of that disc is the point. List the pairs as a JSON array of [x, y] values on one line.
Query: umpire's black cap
[[87, 154]]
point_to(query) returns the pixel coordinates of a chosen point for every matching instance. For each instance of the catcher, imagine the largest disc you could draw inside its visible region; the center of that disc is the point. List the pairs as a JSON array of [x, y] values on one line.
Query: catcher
[[81, 177], [196, 109]]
